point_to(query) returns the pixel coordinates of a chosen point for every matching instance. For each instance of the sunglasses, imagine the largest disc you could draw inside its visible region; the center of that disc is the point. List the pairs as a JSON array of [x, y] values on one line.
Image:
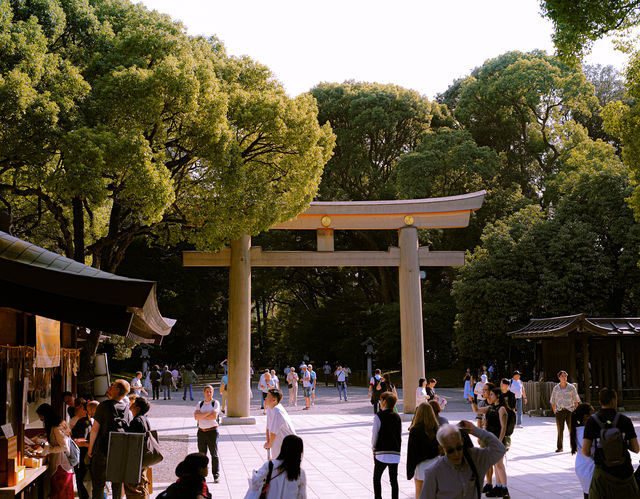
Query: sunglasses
[[451, 450]]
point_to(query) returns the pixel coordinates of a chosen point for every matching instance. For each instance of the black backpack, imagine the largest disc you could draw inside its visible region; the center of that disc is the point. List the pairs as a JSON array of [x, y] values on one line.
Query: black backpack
[[611, 442], [119, 424]]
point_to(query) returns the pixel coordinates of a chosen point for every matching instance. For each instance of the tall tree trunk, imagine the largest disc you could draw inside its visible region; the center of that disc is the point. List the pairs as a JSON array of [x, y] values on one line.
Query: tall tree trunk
[[78, 229]]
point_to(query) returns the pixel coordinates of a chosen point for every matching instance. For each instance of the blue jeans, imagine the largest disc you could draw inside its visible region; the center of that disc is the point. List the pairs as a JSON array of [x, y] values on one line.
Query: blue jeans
[[190, 386], [342, 387], [167, 391], [519, 411]]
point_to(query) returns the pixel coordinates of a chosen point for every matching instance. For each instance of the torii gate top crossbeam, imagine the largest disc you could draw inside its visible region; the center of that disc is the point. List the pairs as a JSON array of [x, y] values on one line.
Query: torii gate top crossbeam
[[431, 213]]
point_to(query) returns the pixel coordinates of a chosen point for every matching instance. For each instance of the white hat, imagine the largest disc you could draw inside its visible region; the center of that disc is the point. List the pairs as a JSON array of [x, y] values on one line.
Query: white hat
[[483, 378]]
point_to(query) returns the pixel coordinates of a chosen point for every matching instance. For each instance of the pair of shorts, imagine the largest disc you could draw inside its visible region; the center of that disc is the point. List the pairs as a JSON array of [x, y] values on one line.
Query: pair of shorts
[[307, 391], [422, 467]]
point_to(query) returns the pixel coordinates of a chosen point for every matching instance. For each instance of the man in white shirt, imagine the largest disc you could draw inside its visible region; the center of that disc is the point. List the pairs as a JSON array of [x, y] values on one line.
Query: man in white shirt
[[279, 424], [274, 378], [136, 385], [517, 388], [206, 414], [341, 383], [306, 387], [175, 374], [264, 385]]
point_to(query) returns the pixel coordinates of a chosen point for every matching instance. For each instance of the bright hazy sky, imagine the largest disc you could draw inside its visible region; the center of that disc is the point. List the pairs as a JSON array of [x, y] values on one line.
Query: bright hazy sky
[[419, 44]]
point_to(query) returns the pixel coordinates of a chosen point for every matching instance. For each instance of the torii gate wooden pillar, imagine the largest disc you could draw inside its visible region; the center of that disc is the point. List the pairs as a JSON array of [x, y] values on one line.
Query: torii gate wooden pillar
[[325, 217]]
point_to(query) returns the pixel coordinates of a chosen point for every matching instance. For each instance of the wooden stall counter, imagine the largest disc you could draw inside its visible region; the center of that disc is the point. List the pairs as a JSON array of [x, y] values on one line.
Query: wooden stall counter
[[32, 475]]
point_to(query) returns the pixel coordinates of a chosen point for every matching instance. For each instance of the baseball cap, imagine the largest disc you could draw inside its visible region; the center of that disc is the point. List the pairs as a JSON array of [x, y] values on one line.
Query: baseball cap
[[516, 372], [483, 377]]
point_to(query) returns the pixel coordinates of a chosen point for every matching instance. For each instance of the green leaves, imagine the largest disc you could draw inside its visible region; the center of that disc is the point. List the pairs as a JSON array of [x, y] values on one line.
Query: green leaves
[[116, 106]]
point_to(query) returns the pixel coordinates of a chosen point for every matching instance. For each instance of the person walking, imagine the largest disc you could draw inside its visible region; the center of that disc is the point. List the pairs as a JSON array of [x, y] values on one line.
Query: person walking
[[139, 424], [279, 424], [614, 436], [422, 447], [274, 379], [166, 381], [155, 376], [306, 387], [326, 369], [264, 386], [386, 440], [517, 388], [341, 382], [584, 465], [376, 390], [111, 415], [292, 383], [58, 436], [175, 375], [136, 385], [284, 477], [314, 382], [459, 472], [189, 378], [206, 414], [468, 385], [224, 383], [564, 399], [421, 392]]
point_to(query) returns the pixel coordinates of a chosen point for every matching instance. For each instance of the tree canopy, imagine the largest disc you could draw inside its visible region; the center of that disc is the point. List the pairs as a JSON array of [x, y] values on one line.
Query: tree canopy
[[115, 117]]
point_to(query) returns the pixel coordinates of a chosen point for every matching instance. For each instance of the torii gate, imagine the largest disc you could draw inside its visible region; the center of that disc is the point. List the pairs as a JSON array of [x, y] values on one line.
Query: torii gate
[[406, 216]]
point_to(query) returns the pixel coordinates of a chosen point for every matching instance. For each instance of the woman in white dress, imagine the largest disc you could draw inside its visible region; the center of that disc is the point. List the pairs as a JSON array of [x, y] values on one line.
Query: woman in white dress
[[287, 480], [421, 392], [584, 464]]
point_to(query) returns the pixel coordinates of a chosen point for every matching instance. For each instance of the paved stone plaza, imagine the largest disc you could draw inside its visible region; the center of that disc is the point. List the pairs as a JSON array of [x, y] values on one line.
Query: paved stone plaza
[[338, 459]]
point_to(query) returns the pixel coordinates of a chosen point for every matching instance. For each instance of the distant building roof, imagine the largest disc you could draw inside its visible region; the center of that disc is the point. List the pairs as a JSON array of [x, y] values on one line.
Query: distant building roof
[[41, 282], [561, 326]]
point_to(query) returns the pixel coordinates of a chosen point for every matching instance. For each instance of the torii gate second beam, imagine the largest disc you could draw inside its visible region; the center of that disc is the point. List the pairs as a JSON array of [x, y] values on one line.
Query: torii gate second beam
[[405, 216]]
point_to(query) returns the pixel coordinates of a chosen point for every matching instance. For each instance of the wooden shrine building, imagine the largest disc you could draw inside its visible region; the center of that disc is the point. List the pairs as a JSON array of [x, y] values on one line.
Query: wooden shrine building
[[46, 301], [596, 352]]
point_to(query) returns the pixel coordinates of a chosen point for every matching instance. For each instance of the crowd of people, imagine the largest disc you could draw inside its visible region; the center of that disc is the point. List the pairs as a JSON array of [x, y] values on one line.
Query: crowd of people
[[441, 459]]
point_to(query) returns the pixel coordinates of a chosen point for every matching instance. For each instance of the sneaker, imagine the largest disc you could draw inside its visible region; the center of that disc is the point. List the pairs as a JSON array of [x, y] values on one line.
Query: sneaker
[[216, 479], [558, 450], [496, 492], [488, 487], [505, 492], [305, 408]]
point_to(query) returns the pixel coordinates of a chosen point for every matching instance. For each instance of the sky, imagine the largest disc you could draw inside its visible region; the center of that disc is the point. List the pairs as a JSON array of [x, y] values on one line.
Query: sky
[[423, 45]]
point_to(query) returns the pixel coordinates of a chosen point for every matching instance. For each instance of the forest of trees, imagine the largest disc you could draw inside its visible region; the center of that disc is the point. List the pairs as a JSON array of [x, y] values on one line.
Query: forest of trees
[[125, 141]]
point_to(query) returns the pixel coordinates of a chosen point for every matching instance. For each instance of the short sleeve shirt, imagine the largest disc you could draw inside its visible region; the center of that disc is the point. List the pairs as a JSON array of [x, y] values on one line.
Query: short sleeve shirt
[[592, 432], [105, 413], [340, 375], [225, 381], [516, 388], [214, 405]]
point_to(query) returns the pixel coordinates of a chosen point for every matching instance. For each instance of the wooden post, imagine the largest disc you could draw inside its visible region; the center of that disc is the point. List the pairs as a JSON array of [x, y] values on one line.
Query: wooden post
[[239, 334], [587, 369], [571, 352], [325, 239], [412, 342]]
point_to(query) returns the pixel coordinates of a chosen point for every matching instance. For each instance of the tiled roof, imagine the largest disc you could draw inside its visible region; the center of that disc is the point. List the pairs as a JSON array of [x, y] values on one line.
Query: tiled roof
[[35, 280]]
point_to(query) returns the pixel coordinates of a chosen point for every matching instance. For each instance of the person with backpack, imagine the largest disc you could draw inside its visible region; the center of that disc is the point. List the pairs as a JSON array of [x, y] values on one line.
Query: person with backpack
[[206, 414], [459, 472], [613, 436], [112, 415], [283, 476], [59, 452], [564, 400]]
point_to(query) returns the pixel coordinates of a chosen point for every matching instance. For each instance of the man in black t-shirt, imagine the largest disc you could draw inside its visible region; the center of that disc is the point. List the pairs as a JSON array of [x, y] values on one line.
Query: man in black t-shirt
[[110, 415], [511, 397], [611, 481]]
